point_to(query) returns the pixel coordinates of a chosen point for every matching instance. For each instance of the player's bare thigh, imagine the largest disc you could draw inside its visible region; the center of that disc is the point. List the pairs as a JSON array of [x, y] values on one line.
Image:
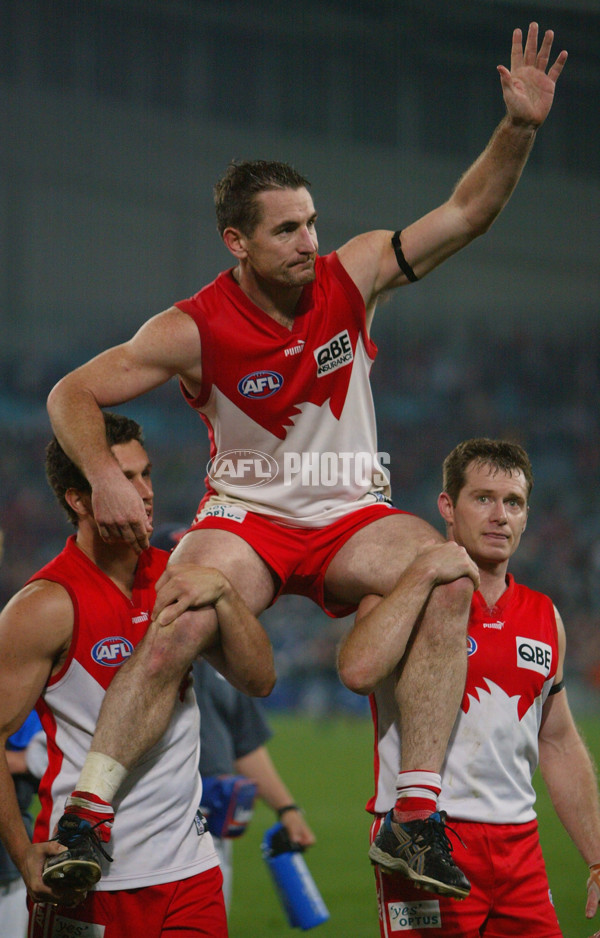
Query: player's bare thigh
[[230, 554], [374, 558]]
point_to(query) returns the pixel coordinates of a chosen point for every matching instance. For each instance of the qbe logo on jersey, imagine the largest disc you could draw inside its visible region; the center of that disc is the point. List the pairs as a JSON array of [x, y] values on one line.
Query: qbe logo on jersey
[[334, 354], [534, 655], [112, 651]]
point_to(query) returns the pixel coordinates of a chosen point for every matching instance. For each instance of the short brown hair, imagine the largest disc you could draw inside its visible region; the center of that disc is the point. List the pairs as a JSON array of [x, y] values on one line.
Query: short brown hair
[[500, 455], [235, 193], [63, 474]]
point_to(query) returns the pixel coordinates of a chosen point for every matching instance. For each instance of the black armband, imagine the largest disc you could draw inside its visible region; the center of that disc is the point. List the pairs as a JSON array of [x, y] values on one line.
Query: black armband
[[556, 687], [286, 808], [402, 262]]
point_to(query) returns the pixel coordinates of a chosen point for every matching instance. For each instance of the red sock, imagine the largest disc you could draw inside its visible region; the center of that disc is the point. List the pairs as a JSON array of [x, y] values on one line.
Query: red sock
[[417, 794], [90, 808]]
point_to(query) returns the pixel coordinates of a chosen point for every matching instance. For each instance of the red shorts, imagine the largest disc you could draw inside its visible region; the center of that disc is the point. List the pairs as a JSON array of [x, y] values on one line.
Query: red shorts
[[509, 895], [300, 556], [189, 908]]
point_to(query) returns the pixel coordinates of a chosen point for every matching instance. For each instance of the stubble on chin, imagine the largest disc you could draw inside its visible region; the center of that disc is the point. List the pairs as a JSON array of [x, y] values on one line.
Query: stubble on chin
[[299, 278]]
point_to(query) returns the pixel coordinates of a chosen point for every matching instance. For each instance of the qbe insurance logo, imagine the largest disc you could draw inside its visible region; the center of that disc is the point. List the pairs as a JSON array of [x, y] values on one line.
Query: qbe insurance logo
[[334, 354], [112, 651], [247, 467], [534, 655]]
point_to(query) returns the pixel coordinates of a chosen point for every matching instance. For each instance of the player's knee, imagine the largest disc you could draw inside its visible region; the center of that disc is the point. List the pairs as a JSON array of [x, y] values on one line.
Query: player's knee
[[164, 663], [168, 651], [458, 593]]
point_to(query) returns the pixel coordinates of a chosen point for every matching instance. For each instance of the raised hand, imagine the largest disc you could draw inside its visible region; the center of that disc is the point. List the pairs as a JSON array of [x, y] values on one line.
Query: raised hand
[[527, 88]]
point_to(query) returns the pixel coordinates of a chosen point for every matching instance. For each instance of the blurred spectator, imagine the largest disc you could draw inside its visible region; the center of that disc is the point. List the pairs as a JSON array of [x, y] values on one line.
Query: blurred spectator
[[233, 733]]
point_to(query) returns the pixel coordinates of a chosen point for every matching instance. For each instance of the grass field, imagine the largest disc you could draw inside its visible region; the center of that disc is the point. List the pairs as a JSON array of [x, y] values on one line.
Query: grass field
[[328, 765]]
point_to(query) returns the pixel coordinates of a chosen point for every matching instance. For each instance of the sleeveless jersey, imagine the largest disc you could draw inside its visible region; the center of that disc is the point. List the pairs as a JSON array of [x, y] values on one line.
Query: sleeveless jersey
[[493, 749], [289, 413], [155, 837]]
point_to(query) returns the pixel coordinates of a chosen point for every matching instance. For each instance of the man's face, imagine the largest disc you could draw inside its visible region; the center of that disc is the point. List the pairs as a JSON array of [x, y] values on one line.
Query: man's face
[[283, 245], [490, 514], [133, 460]]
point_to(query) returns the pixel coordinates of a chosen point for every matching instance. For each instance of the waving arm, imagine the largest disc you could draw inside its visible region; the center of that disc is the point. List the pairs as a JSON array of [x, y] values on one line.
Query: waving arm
[[482, 192]]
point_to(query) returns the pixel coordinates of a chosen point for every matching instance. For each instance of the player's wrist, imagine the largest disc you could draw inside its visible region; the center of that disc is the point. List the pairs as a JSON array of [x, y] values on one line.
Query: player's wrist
[[224, 591], [594, 877], [287, 807], [521, 126], [103, 470]]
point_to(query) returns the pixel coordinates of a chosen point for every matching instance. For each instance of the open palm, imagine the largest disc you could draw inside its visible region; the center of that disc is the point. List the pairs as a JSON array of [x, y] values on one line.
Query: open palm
[[527, 88]]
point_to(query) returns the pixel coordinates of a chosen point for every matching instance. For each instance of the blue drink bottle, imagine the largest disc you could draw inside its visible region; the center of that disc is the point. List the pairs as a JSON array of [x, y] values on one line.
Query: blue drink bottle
[[301, 900]]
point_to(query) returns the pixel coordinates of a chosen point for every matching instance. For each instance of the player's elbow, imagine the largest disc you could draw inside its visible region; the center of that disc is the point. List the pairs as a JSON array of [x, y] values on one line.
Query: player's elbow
[[355, 674], [54, 397], [266, 688], [259, 680], [477, 218], [261, 685], [480, 224], [60, 394]]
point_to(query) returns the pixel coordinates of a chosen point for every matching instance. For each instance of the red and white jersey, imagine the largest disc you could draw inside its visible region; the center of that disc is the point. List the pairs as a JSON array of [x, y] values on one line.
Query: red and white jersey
[[289, 412], [493, 750], [155, 837]]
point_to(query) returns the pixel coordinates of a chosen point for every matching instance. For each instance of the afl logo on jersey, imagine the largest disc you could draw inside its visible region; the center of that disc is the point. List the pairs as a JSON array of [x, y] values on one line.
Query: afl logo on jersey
[[112, 651], [260, 384], [471, 646]]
